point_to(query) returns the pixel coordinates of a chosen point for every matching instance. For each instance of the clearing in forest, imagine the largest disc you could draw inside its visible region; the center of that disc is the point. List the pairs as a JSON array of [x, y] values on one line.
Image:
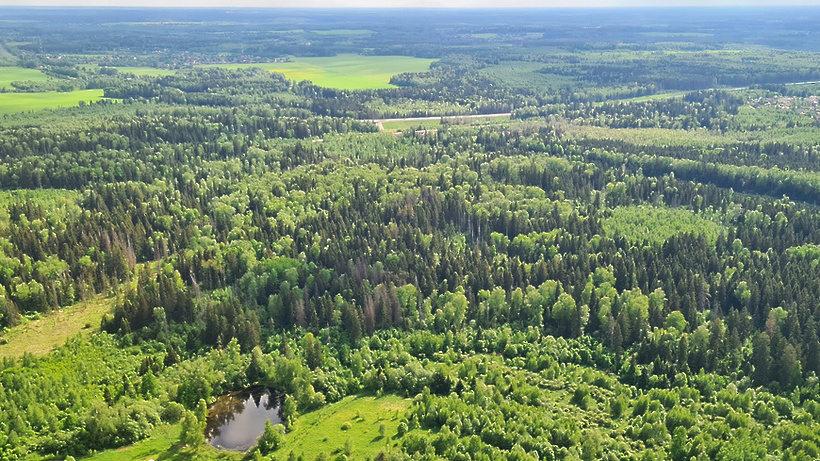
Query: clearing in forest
[[42, 335], [353, 423], [345, 71]]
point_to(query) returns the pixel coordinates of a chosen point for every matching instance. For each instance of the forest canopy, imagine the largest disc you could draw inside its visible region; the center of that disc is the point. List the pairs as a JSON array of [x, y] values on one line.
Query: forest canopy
[[557, 235]]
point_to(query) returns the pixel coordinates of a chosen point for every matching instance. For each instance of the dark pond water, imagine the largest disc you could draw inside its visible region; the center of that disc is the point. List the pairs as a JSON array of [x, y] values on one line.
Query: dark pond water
[[237, 419]]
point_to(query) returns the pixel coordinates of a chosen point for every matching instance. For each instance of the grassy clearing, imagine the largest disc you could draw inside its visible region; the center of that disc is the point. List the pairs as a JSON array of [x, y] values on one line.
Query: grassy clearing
[[701, 137], [652, 97], [44, 334], [321, 430], [347, 71], [412, 125], [161, 446], [148, 71], [652, 136], [405, 125], [20, 74], [656, 225], [11, 103]]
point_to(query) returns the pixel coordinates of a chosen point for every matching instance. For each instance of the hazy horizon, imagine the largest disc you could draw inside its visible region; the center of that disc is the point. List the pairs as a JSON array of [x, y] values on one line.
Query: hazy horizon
[[415, 4]]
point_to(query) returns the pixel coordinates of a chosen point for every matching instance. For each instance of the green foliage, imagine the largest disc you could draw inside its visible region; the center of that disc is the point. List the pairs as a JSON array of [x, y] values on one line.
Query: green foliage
[[271, 439], [594, 279], [656, 225], [192, 431]]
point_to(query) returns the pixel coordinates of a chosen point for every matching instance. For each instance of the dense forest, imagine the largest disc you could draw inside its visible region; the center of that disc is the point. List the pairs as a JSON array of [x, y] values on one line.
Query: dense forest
[[625, 267]]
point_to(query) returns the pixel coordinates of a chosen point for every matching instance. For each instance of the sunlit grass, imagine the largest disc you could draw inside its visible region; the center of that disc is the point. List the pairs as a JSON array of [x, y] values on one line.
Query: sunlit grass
[[347, 71], [11, 103]]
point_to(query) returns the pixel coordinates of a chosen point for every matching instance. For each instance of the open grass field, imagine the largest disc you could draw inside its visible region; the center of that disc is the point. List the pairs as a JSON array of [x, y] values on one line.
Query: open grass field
[[11, 103], [147, 71], [50, 331], [322, 430], [347, 71], [20, 74]]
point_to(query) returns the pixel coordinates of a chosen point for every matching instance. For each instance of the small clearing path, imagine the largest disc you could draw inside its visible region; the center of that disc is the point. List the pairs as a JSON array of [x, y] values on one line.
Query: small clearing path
[[380, 121]]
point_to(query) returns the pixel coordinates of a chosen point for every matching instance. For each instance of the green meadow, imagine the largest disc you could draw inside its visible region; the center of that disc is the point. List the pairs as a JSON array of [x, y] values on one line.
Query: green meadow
[[11, 103], [348, 71], [43, 334], [20, 74], [353, 423]]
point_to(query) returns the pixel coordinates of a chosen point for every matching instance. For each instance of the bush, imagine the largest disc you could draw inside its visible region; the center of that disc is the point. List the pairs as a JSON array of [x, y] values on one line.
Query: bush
[[271, 439]]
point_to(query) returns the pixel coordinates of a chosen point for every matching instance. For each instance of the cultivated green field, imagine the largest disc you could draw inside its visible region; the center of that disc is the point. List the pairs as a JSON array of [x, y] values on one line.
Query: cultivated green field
[[355, 418], [20, 74], [348, 71], [147, 71], [11, 103]]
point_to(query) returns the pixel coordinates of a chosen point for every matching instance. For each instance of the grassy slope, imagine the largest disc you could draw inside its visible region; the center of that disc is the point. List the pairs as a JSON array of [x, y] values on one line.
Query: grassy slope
[[43, 335], [321, 430], [351, 72], [159, 447], [18, 74], [11, 103]]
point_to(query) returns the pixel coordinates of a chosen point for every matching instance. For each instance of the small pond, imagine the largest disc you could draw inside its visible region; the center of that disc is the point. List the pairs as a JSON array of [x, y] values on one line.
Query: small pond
[[237, 419]]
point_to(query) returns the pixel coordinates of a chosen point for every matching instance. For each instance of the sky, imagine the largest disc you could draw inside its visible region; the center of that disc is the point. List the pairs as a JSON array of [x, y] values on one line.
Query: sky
[[408, 3]]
